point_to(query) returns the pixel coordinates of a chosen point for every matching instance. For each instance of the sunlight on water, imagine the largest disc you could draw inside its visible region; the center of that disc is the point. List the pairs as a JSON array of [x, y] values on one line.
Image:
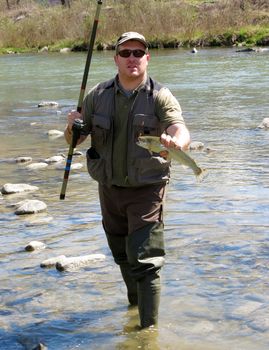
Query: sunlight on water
[[215, 281]]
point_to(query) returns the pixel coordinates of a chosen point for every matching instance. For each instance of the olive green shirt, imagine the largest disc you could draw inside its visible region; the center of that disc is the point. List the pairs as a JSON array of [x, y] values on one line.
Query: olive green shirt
[[167, 109]]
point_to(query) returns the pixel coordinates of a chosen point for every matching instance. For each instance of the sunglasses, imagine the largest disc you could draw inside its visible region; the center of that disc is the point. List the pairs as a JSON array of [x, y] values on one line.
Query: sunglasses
[[127, 53]]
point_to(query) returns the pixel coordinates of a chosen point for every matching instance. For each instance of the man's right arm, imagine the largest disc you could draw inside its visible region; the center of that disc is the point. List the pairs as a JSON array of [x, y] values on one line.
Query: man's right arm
[[87, 110]]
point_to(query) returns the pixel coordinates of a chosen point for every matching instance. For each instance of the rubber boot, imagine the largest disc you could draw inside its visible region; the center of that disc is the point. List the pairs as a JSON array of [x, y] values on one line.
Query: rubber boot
[[149, 290], [145, 252], [117, 245], [131, 284]]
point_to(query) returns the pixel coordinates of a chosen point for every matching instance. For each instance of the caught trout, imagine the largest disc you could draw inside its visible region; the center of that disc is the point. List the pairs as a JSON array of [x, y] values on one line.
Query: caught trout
[[153, 144]]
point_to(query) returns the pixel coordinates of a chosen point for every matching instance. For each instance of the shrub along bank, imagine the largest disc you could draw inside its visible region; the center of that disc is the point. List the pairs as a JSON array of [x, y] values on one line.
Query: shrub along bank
[[31, 25]]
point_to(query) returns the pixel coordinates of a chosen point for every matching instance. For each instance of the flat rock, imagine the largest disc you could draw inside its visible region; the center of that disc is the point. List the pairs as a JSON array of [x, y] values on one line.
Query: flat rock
[[30, 206], [54, 159], [55, 133], [44, 49], [65, 50], [17, 188], [48, 104], [51, 262], [72, 263], [74, 166]]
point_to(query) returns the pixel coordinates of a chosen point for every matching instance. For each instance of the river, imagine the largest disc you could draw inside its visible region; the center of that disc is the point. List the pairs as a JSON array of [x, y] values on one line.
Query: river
[[215, 292]]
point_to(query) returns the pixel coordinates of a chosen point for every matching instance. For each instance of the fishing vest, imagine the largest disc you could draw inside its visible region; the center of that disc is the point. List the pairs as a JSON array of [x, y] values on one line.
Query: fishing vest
[[143, 168]]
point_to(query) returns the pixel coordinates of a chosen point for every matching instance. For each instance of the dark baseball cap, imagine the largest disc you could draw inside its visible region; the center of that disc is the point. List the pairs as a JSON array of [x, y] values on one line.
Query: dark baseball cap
[[131, 36]]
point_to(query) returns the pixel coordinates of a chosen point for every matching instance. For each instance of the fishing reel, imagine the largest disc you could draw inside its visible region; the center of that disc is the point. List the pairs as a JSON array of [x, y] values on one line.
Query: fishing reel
[[78, 125], [77, 128]]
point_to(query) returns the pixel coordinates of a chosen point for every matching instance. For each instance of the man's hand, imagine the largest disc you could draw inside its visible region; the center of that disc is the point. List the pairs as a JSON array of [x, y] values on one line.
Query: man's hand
[[71, 119], [176, 136], [169, 141]]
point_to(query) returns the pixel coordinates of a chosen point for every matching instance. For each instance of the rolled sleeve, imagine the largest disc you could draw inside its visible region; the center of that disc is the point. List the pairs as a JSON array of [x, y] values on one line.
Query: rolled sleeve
[[167, 108]]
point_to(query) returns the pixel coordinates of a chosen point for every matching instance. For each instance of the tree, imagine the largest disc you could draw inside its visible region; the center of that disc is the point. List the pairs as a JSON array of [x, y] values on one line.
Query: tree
[[8, 3], [65, 3]]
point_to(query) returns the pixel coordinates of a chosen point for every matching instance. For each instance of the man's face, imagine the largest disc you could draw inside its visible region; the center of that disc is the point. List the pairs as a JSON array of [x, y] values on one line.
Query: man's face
[[131, 67]]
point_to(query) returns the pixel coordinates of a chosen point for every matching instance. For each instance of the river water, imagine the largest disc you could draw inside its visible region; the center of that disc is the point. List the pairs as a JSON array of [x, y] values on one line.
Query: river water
[[215, 291]]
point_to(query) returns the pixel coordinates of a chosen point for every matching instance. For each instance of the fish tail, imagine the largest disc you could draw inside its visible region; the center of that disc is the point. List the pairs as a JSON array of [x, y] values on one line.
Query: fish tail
[[201, 175]]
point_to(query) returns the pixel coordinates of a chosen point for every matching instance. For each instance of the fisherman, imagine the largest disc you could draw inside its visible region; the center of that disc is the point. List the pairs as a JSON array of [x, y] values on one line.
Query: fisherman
[[132, 182]]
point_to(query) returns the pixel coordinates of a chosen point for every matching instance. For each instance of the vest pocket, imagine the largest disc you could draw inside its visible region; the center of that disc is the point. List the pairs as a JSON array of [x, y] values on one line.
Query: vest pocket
[[146, 124], [100, 129], [152, 170], [96, 165]]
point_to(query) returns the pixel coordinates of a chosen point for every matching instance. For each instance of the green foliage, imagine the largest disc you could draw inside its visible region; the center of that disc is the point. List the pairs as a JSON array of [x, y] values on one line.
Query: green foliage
[[33, 24], [254, 35]]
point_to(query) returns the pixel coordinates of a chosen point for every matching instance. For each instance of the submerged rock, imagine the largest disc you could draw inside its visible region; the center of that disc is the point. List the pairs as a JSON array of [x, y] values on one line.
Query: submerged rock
[[30, 206], [39, 220], [37, 166], [72, 263], [35, 245], [17, 188]]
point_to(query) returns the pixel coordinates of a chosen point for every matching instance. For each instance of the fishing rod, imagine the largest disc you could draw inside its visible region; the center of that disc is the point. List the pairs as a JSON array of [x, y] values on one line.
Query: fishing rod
[[78, 124]]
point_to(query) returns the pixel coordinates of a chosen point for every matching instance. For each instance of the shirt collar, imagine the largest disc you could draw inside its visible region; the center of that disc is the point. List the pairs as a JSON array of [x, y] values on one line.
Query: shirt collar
[[142, 85]]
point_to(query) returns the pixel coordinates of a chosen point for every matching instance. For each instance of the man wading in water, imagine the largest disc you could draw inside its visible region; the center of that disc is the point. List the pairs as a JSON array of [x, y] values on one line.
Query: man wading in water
[[131, 181]]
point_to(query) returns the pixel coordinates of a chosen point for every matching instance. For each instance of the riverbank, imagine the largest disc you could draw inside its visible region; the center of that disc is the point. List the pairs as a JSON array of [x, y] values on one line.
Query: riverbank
[[30, 26]]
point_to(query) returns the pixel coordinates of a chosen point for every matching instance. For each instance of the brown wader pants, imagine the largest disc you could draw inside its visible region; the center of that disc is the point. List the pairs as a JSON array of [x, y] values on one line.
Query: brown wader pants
[[133, 223]]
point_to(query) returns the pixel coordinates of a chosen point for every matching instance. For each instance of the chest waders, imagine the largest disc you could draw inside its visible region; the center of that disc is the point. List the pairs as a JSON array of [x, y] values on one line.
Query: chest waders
[[132, 216], [140, 253]]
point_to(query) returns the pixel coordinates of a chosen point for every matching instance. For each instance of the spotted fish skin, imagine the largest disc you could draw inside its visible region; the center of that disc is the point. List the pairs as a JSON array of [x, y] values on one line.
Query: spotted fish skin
[[153, 144]]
